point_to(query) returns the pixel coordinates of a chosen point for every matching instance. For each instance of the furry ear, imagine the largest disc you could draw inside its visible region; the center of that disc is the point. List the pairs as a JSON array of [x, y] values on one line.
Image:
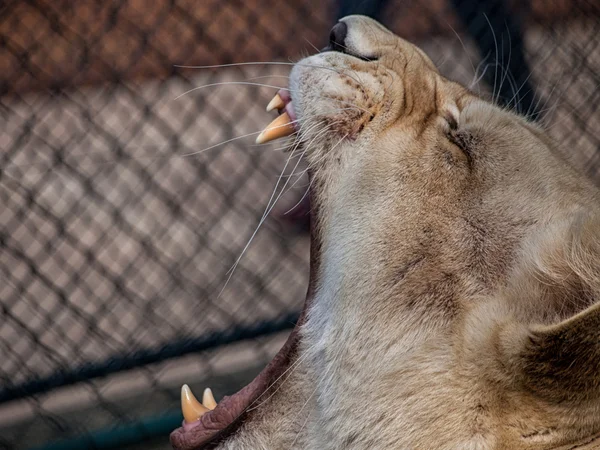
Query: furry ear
[[556, 298], [562, 362]]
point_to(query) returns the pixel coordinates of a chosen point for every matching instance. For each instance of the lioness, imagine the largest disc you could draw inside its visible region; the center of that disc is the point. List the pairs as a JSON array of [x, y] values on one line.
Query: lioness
[[455, 273]]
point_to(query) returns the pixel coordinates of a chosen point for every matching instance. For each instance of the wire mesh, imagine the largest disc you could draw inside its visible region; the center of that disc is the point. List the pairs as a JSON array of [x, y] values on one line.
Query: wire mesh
[[119, 221]]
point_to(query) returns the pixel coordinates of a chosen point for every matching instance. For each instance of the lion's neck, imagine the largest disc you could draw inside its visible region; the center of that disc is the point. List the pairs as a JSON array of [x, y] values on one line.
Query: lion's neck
[[365, 329]]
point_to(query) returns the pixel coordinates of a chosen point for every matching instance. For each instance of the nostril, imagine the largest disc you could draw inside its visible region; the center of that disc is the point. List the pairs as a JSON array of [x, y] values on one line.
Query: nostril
[[338, 36]]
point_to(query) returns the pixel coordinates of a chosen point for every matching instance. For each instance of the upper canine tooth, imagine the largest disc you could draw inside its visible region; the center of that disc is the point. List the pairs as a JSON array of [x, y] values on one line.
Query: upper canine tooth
[[192, 409], [275, 103], [280, 127], [208, 399]]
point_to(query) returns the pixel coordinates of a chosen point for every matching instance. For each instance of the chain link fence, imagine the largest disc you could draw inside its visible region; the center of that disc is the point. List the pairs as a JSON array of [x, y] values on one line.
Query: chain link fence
[[130, 186]]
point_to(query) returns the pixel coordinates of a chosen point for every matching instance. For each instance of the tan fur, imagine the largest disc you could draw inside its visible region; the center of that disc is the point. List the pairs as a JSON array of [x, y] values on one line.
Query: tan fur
[[456, 306]]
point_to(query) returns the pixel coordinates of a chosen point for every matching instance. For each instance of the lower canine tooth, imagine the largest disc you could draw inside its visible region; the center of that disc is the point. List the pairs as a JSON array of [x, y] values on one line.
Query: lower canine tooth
[[192, 409], [208, 399], [275, 103], [280, 127]]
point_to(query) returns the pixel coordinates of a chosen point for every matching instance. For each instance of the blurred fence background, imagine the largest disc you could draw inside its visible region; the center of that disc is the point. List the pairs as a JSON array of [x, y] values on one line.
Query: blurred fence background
[[119, 222]]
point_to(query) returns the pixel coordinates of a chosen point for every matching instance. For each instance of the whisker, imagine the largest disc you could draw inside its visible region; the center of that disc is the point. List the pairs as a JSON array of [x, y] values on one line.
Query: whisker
[[506, 67], [476, 78], [99, 163], [267, 63], [185, 155], [262, 77], [463, 45], [291, 368], [151, 158], [278, 181], [307, 417], [301, 174], [225, 83], [329, 151], [318, 161], [295, 365], [312, 45], [322, 131], [303, 196], [496, 55], [266, 213]]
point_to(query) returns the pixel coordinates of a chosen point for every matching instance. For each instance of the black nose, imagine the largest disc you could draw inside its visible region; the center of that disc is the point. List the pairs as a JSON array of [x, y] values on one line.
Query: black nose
[[338, 36]]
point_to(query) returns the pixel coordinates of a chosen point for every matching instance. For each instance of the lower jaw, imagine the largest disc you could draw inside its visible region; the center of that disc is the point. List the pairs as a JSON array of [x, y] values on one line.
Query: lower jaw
[[224, 421]]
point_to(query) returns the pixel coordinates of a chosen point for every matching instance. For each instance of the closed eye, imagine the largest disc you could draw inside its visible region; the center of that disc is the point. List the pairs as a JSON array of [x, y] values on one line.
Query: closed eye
[[348, 52], [463, 141], [460, 139]]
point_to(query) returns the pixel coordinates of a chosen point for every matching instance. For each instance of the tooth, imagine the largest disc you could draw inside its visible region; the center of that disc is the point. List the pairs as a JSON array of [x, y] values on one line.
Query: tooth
[[275, 103], [192, 409], [280, 127], [208, 399]]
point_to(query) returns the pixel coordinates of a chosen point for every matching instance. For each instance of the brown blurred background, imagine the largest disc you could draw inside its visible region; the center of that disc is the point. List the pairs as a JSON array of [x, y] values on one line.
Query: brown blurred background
[[76, 43]]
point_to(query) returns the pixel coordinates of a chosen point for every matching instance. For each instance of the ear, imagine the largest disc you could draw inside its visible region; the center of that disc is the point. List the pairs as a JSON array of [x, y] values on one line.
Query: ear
[[561, 362], [560, 287]]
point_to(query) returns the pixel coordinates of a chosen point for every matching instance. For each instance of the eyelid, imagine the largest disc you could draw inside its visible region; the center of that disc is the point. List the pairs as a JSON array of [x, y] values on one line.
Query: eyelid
[[454, 136]]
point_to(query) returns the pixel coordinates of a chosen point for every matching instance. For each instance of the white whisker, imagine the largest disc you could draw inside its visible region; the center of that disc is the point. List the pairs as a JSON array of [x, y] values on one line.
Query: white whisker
[[307, 417], [477, 79], [268, 63], [301, 198], [231, 140], [262, 77], [463, 45], [496, 54], [312, 45], [289, 369], [266, 213], [329, 152], [226, 83]]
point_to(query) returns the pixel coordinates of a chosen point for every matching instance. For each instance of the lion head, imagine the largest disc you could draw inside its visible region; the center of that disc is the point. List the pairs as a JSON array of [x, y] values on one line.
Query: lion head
[[455, 274]]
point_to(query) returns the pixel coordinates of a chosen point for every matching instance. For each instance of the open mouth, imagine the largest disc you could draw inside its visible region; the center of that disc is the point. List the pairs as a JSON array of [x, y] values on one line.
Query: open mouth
[[207, 423]]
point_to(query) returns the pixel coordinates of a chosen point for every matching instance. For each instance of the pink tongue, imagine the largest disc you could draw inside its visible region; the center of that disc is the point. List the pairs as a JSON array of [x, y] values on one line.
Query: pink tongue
[[285, 96], [290, 110]]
